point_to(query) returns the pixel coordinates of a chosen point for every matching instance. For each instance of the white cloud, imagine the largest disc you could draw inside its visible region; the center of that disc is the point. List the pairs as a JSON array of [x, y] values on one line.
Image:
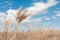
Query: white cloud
[[27, 20], [51, 2], [58, 14], [2, 17], [46, 18], [11, 14], [54, 17], [2, 14], [41, 6], [37, 20]]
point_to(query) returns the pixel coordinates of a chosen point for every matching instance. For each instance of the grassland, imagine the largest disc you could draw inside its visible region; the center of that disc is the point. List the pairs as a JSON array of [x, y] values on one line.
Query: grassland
[[31, 35]]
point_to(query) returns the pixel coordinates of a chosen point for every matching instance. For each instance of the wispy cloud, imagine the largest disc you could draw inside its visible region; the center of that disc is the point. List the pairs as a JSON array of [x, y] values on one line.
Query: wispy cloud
[[54, 17], [36, 20], [2, 17], [41, 6], [47, 18], [58, 14], [2, 14]]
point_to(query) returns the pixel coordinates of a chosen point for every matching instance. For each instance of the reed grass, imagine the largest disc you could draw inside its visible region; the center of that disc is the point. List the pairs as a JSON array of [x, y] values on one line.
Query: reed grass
[[20, 16]]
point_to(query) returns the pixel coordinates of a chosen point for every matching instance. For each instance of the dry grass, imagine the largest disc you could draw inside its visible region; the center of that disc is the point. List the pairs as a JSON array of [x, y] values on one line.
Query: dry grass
[[35, 35]]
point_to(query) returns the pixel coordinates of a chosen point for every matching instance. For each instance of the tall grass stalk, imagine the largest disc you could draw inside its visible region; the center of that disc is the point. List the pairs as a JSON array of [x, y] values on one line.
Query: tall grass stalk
[[19, 18]]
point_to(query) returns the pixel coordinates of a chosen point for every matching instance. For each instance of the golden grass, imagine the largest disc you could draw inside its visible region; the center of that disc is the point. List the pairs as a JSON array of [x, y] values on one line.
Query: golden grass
[[21, 16], [40, 35]]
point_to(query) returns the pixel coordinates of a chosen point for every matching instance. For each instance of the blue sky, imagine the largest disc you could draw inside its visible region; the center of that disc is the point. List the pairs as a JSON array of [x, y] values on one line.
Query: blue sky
[[44, 13]]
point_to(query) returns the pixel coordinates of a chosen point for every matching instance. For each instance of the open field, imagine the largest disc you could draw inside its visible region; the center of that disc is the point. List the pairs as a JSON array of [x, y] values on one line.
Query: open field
[[34, 35], [15, 20]]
